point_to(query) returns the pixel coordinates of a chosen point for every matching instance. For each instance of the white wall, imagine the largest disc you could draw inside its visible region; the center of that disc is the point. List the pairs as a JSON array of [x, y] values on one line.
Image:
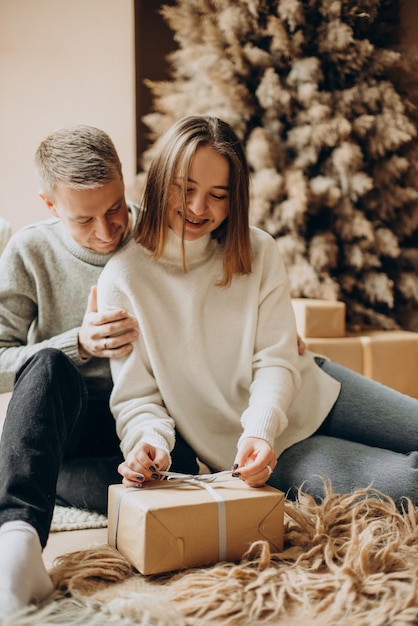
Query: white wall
[[62, 62]]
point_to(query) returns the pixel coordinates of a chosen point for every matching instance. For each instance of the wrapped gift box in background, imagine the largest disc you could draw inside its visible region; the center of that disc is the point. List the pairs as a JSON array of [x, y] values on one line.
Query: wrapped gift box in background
[[347, 351], [319, 318], [174, 526], [389, 357]]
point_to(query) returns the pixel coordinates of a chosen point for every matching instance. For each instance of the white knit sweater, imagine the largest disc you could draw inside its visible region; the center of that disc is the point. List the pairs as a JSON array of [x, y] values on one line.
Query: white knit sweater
[[216, 363]]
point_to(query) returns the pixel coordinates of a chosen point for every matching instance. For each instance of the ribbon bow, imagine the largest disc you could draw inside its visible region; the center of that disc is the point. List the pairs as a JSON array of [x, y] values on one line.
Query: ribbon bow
[[194, 478], [173, 479]]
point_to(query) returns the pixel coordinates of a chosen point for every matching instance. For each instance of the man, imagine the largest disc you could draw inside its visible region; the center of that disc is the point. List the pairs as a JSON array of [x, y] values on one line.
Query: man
[[59, 440]]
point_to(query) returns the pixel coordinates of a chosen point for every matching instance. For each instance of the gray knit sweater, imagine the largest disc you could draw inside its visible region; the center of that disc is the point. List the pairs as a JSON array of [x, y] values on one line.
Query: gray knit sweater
[[45, 279]]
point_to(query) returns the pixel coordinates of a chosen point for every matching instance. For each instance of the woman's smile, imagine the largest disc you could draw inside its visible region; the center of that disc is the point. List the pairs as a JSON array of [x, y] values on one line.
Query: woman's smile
[[193, 220], [207, 196]]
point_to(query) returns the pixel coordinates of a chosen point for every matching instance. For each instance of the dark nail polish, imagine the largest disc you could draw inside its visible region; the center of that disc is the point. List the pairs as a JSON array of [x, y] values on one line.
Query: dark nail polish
[[235, 465], [155, 476], [151, 468], [236, 474], [140, 478]]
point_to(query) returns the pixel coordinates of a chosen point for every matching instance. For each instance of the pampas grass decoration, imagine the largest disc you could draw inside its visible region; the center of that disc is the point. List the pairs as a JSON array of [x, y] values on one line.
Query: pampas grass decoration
[[325, 105]]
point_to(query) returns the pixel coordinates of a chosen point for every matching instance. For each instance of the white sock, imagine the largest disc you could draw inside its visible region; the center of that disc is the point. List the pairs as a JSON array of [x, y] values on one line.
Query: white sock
[[23, 576]]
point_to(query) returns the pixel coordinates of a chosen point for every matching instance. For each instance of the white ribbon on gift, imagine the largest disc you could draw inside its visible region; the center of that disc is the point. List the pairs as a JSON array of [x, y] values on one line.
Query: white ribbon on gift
[[174, 479]]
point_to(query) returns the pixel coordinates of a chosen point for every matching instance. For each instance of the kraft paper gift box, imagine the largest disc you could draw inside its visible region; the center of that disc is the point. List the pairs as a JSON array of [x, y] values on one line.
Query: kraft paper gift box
[[172, 527], [389, 357], [319, 318], [347, 351]]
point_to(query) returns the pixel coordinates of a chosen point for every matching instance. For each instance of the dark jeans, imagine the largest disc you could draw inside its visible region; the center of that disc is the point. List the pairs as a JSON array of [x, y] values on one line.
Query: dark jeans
[[59, 444]]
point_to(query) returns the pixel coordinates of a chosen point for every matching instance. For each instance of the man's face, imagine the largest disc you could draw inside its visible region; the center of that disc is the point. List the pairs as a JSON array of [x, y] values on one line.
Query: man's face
[[97, 219]]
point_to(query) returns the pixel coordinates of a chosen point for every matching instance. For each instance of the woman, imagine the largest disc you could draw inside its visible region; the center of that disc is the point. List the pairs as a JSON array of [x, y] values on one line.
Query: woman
[[216, 364]]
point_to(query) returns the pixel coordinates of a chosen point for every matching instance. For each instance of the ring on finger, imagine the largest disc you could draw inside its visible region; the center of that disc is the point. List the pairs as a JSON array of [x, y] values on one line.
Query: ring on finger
[[104, 343], [270, 471]]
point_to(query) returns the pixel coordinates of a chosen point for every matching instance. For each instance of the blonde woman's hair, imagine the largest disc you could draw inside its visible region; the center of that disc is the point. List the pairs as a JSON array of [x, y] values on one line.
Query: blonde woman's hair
[[173, 160], [80, 157]]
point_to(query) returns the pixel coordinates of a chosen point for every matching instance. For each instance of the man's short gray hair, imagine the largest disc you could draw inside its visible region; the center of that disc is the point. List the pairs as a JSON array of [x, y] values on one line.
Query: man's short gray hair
[[80, 157]]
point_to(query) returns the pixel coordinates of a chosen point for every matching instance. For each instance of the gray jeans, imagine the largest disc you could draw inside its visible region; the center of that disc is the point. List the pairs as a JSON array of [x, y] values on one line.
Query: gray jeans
[[370, 438]]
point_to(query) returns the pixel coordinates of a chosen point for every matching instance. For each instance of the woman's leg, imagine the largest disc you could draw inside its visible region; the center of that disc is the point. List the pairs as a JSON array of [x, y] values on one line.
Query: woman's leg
[[347, 465], [370, 438], [371, 413]]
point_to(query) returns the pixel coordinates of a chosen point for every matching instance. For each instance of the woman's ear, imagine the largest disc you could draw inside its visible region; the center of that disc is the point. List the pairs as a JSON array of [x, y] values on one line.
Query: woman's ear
[[49, 204]]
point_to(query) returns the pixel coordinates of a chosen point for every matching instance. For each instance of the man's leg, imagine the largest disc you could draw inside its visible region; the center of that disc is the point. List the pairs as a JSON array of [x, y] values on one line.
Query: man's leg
[[83, 481], [48, 399], [23, 577], [91, 462], [183, 457]]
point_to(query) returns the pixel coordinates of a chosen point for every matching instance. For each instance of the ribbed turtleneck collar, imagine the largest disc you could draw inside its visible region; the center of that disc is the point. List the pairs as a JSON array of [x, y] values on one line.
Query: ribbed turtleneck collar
[[196, 251]]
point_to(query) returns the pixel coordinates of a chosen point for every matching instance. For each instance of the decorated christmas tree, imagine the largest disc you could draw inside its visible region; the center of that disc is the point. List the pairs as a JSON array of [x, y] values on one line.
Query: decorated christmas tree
[[324, 104]]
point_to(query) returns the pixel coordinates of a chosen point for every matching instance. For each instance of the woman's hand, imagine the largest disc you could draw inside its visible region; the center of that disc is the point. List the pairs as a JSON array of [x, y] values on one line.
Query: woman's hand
[[254, 462], [143, 464]]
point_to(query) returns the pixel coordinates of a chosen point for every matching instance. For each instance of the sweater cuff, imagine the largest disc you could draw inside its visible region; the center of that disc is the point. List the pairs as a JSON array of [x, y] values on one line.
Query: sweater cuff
[[151, 437], [67, 342], [263, 423]]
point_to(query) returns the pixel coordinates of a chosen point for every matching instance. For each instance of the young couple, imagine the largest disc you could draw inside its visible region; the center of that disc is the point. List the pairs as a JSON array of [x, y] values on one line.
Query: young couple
[[194, 316]]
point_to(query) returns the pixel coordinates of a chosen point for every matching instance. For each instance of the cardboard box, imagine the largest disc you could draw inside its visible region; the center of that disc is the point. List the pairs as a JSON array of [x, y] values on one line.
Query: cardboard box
[[319, 318], [171, 527], [347, 351], [389, 357]]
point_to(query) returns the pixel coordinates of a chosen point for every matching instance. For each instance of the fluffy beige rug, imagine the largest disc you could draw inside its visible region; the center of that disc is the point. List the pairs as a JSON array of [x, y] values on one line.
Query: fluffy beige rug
[[351, 560]]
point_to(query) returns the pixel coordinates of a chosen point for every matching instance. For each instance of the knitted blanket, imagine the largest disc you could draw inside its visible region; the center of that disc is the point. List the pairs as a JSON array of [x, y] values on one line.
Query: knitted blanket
[[71, 518]]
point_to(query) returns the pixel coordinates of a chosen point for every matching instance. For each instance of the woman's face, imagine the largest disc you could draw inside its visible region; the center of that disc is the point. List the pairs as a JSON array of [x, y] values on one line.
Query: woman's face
[[207, 198]]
